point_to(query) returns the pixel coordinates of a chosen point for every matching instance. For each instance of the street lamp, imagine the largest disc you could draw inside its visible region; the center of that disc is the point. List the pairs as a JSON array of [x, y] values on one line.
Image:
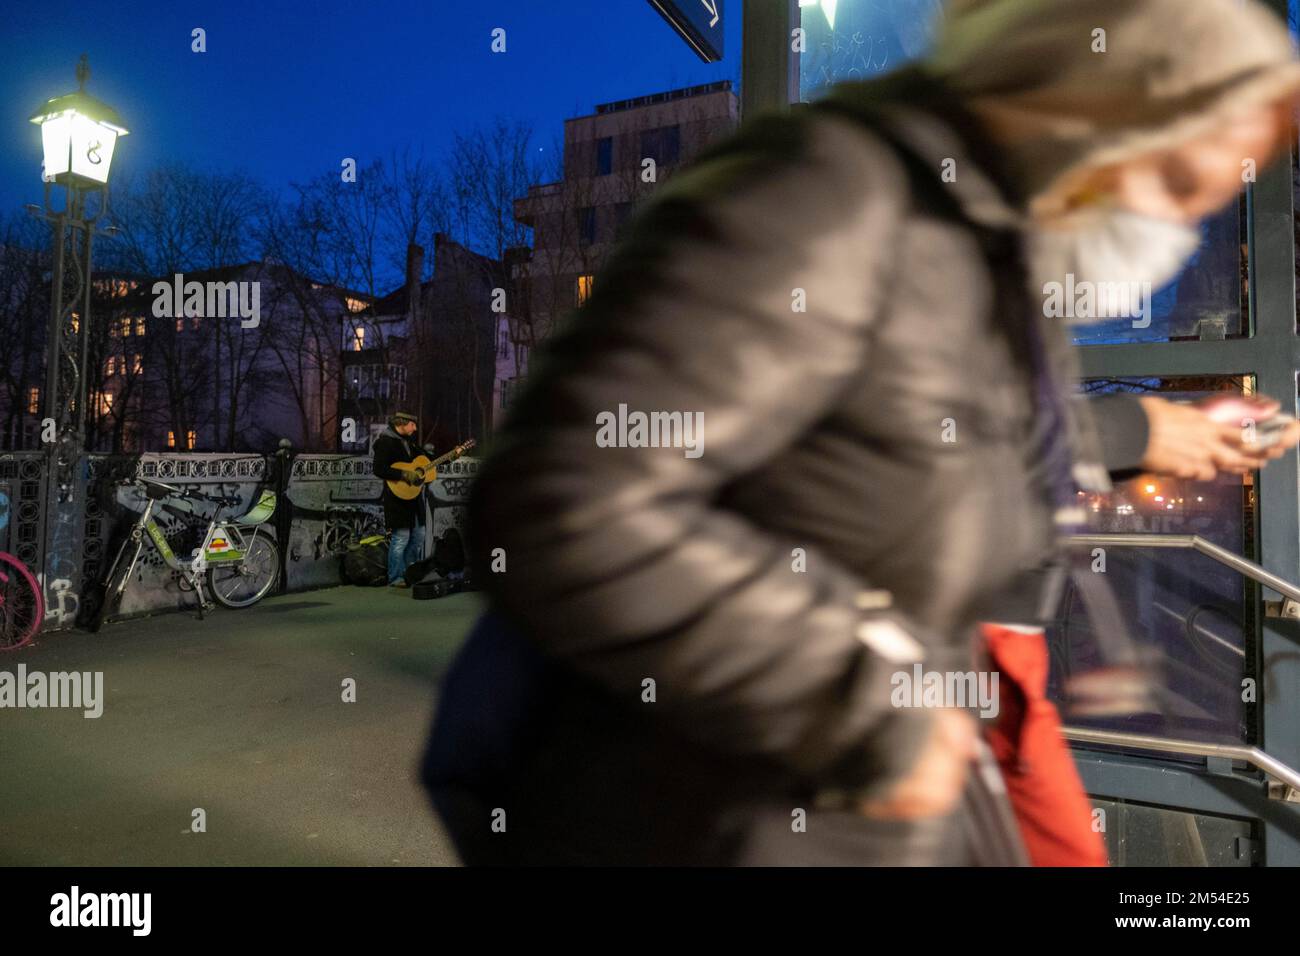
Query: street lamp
[[78, 135]]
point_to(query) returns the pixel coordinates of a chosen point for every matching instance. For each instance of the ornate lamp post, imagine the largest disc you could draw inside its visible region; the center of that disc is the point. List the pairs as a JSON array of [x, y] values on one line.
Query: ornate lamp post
[[78, 135]]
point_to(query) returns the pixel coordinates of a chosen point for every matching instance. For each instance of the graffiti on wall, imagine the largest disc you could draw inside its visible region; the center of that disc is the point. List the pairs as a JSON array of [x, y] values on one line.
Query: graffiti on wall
[[328, 503]]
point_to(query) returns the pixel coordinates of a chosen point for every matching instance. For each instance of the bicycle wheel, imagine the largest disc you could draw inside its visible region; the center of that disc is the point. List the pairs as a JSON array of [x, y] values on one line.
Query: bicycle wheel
[[245, 583], [22, 606], [109, 595]]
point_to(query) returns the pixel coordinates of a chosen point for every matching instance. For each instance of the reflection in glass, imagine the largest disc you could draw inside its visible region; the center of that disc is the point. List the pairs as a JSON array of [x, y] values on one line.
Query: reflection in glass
[[849, 40], [1206, 301], [1191, 615], [858, 39]]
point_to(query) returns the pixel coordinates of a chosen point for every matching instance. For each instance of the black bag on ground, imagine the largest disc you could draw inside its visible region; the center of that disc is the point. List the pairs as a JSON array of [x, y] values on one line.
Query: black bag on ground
[[366, 563], [448, 558]]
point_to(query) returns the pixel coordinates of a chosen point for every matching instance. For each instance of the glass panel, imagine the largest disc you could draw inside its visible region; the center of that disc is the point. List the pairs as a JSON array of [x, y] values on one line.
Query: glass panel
[[857, 39], [1208, 300], [1194, 617], [1140, 835]]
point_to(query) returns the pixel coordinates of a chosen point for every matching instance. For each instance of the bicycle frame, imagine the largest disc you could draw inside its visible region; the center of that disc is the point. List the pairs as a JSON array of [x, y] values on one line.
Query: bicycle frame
[[223, 543]]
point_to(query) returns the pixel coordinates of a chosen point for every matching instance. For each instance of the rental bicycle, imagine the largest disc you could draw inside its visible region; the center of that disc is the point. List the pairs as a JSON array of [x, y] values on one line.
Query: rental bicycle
[[238, 561]]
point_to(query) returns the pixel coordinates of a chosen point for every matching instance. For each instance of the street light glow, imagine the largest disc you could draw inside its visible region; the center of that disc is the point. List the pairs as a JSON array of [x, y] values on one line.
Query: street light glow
[[78, 135]]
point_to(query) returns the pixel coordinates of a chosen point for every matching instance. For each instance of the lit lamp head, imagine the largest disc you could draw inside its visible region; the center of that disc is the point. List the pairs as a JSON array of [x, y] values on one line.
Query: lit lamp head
[[78, 134]]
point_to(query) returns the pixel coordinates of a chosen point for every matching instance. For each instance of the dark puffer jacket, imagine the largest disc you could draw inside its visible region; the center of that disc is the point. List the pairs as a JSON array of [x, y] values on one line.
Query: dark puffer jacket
[[869, 441]]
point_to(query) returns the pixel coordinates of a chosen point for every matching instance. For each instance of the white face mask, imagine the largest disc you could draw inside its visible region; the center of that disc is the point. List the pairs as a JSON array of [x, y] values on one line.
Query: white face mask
[[1116, 251]]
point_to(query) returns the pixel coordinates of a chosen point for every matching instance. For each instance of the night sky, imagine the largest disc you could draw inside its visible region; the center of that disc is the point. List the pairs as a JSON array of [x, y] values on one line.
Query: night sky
[[286, 90]]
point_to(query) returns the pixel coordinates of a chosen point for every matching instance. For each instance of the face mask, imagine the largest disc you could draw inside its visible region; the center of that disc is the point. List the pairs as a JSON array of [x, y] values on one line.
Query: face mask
[[1105, 259]]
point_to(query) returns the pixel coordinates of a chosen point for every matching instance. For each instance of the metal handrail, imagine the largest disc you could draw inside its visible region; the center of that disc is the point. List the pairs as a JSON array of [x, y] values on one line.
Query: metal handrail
[[1253, 756], [1194, 542], [1250, 755]]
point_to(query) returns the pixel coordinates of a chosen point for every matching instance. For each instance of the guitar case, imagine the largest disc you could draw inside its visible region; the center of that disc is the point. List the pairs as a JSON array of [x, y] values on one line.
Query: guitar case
[[442, 573]]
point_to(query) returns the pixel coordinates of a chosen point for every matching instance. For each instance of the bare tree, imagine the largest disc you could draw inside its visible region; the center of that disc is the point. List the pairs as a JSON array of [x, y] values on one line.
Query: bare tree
[[24, 314]]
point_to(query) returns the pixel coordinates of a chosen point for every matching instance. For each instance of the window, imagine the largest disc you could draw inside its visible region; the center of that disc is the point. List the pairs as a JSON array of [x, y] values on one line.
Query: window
[[137, 364], [190, 438], [110, 366], [1188, 611], [102, 403], [663, 145], [33, 401], [124, 327], [860, 39], [358, 338], [503, 343], [587, 225], [604, 156], [139, 325], [585, 284], [180, 325]]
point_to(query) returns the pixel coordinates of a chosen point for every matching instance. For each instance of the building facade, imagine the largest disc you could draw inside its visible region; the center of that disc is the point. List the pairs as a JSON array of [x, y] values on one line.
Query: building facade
[[613, 158]]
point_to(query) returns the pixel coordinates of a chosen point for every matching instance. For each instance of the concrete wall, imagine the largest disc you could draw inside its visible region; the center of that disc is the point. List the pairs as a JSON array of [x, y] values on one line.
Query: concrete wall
[[326, 503]]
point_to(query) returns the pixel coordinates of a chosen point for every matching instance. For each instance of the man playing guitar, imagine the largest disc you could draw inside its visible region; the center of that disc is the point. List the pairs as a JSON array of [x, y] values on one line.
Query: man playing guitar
[[403, 517]]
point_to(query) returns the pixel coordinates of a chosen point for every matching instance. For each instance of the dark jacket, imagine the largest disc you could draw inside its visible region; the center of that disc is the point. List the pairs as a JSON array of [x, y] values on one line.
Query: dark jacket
[[867, 458], [389, 448]]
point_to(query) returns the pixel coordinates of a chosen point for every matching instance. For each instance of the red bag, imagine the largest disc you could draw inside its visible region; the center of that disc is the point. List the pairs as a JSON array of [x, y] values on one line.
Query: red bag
[[1043, 784]]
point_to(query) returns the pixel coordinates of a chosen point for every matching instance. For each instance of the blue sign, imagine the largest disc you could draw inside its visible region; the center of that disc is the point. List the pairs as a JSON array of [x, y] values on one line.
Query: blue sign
[[698, 21]]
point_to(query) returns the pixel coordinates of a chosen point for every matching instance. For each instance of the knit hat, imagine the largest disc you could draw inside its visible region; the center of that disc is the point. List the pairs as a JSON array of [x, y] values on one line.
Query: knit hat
[[401, 418], [1076, 85]]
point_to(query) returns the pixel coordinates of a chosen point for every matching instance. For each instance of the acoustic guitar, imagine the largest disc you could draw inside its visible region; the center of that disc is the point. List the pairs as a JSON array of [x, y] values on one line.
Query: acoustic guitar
[[426, 469]]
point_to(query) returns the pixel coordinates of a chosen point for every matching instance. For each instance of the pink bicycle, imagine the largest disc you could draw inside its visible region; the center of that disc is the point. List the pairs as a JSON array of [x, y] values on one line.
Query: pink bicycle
[[22, 606]]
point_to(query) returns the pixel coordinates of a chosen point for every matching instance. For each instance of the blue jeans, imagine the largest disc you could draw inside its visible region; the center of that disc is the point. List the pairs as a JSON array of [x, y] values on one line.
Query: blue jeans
[[405, 547]]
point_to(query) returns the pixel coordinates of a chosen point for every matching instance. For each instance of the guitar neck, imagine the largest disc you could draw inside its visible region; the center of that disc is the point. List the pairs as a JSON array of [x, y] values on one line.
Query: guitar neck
[[443, 459]]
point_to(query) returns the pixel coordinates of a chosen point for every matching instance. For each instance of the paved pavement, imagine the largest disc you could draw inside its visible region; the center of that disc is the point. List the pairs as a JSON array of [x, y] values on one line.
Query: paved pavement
[[240, 715]]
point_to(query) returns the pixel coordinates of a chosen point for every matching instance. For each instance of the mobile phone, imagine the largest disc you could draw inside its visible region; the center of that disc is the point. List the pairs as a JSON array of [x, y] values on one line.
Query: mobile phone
[[1269, 432]]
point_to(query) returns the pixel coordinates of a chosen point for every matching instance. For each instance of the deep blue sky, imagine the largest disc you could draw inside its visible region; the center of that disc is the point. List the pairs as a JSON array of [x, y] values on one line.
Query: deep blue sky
[[286, 90]]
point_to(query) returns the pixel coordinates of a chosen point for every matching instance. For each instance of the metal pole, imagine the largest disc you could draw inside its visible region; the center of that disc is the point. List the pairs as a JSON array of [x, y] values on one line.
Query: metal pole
[[54, 357], [65, 409]]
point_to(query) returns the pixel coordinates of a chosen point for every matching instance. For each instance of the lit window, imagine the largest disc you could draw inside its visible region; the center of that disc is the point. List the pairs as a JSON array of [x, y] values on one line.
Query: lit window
[[358, 339], [137, 365], [110, 367], [171, 439], [124, 327], [139, 325], [190, 437], [102, 402], [180, 325], [354, 305], [584, 288], [33, 400]]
